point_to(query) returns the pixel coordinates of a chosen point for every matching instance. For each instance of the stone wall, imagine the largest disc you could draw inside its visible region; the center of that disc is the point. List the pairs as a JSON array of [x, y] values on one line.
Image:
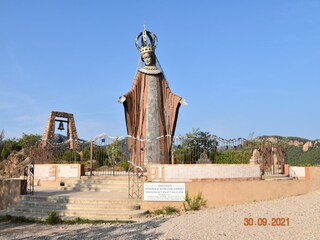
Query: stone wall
[[50, 175], [196, 172], [10, 191]]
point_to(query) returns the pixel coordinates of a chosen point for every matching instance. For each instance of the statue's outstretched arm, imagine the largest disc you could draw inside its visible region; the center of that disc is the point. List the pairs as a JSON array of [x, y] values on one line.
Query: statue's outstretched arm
[[123, 98]]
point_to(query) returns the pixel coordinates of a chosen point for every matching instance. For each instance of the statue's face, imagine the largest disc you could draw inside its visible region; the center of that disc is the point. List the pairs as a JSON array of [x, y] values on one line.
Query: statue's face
[[147, 59]]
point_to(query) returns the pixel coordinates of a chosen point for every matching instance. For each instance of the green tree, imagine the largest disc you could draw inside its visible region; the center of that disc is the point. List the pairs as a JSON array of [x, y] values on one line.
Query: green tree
[[29, 140], [1, 143], [115, 152], [200, 140], [188, 148], [86, 153], [12, 145], [4, 153], [71, 156], [1, 137]]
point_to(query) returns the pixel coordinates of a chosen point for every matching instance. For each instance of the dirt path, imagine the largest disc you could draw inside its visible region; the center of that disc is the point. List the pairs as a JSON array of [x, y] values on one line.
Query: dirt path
[[300, 214]]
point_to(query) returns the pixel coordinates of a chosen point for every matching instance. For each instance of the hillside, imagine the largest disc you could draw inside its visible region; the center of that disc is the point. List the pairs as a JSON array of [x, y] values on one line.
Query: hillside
[[300, 151]]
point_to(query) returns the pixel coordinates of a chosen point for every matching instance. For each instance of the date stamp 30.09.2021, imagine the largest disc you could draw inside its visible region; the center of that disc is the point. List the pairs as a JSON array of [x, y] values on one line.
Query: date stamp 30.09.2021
[[274, 222]]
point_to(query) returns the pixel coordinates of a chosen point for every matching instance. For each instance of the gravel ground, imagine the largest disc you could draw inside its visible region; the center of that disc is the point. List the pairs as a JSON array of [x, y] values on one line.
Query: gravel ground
[[302, 211]]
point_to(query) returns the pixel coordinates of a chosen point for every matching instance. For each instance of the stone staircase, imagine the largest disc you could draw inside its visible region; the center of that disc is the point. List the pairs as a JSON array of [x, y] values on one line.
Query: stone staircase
[[89, 198], [99, 184], [273, 177]]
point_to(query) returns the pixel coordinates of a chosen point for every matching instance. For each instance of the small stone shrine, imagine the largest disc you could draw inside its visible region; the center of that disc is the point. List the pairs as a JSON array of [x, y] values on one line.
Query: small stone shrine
[[204, 159]]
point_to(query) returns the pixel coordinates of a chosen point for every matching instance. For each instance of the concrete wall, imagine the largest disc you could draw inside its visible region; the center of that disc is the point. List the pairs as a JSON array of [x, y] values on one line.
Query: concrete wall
[[298, 172], [194, 172], [10, 191], [218, 193], [50, 175]]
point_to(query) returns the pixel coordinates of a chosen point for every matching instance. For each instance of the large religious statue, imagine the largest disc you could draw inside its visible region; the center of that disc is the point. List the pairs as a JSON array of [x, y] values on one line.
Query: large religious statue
[[151, 109]]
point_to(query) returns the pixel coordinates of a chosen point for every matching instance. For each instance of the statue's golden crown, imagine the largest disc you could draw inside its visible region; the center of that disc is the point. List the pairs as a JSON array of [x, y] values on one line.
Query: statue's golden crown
[[148, 42]]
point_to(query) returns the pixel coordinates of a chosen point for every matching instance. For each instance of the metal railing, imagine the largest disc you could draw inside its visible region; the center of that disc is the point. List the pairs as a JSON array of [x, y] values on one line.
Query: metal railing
[[210, 149]]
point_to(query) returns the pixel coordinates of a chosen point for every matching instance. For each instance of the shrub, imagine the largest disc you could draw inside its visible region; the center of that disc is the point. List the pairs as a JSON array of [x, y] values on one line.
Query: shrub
[[168, 210], [124, 164], [194, 203], [239, 156], [4, 153], [53, 218], [159, 212], [71, 156]]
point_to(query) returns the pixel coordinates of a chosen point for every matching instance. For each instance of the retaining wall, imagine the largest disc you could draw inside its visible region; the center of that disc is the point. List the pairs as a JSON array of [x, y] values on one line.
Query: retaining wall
[[297, 172], [50, 175], [219, 193], [10, 191]]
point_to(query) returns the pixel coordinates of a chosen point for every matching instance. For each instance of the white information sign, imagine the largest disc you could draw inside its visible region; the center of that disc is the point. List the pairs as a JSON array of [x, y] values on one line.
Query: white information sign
[[164, 192]]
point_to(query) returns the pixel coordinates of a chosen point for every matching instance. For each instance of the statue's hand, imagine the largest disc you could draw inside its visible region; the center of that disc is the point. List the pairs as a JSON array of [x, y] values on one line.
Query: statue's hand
[[183, 102], [122, 99]]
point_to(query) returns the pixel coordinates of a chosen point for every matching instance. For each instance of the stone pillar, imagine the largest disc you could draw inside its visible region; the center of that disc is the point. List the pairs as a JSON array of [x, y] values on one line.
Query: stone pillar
[[72, 132], [48, 136]]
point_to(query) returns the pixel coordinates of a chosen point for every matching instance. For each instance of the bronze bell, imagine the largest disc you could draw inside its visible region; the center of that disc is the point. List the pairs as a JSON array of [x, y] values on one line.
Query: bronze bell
[[61, 126]]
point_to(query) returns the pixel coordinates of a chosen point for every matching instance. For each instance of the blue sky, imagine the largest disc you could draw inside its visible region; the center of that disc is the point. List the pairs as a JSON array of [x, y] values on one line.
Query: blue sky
[[243, 66]]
